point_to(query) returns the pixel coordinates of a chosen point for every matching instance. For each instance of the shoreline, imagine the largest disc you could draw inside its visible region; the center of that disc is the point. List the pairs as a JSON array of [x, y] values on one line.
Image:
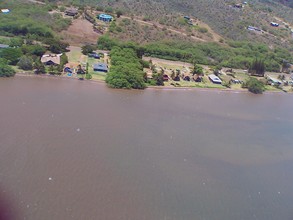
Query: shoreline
[[149, 87]]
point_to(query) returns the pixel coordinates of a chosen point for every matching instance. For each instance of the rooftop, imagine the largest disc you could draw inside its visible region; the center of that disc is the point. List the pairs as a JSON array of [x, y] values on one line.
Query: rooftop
[[101, 66], [105, 16], [55, 58]]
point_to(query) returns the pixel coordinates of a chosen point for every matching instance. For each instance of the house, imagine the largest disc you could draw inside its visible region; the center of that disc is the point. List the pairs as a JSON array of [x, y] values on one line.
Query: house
[[105, 17], [214, 79], [71, 12], [3, 46], [101, 67], [274, 24], [51, 59]]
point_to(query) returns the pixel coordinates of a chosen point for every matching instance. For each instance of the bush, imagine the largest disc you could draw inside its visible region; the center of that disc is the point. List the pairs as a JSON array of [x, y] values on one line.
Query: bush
[[5, 70], [86, 49], [12, 55], [88, 76], [202, 30], [25, 63], [255, 86], [39, 67]]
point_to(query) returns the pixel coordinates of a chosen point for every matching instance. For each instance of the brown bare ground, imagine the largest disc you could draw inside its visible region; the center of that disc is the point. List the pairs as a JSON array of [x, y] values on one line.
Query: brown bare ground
[[80, 32]]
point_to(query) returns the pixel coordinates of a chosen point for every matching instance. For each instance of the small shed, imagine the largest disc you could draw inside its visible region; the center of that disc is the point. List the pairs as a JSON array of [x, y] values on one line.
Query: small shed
[[71, 12], [101, 67], [214, 79], [105, 17]]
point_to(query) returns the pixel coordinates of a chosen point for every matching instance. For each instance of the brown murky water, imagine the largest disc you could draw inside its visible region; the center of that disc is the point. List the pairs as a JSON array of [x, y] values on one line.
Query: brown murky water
[[73, 149]]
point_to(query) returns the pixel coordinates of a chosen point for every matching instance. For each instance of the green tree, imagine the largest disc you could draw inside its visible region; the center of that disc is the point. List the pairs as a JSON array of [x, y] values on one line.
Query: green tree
[[6, 70], [197, 69], [86, 49], [119, 13], [254, 85], [56, 46], [16, 42], [109, 10], [126, 69], [25, 63], [257, 68], [158, 77], [39, 67], [63, 59], [37, 49], [12, 55]]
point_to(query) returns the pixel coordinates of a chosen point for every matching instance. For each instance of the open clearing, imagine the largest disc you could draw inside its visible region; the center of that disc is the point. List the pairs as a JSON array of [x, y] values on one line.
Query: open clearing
[[80, 32]]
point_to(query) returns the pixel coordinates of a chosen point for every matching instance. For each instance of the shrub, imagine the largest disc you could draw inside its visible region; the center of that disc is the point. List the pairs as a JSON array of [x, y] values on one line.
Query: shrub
[[202, 30], [255, 86], [5, 70], [12, 55], [88, 76], [86, 49], [25, 63]]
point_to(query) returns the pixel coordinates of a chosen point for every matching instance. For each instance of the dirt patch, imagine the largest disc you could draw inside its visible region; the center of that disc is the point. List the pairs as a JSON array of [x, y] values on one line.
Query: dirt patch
[[80, 32]]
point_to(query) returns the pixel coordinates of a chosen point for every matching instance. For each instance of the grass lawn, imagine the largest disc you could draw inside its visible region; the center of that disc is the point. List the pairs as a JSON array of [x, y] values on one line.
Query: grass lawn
[[4, 40]]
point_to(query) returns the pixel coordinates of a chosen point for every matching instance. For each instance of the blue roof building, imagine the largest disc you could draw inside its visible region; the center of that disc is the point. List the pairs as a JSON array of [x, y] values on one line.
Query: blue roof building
[[105, 17], [101, 67]]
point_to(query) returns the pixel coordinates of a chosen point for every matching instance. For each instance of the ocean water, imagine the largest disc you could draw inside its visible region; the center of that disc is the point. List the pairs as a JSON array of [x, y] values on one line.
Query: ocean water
[[74, 149]]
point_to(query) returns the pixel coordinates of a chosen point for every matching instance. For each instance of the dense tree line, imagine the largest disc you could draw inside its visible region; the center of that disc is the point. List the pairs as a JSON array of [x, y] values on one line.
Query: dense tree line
[[126, 70], [236, 55]]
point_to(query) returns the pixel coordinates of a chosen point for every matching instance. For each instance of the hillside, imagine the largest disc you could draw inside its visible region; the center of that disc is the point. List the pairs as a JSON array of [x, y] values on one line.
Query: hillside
[[221, 16], [285, 2]]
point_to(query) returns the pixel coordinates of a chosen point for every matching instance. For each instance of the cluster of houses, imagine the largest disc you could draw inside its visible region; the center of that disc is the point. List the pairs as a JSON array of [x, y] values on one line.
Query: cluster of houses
[[55, 59]]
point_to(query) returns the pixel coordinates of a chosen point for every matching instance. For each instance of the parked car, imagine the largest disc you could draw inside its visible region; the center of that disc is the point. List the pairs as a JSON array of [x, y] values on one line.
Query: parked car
[[94, 55]]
